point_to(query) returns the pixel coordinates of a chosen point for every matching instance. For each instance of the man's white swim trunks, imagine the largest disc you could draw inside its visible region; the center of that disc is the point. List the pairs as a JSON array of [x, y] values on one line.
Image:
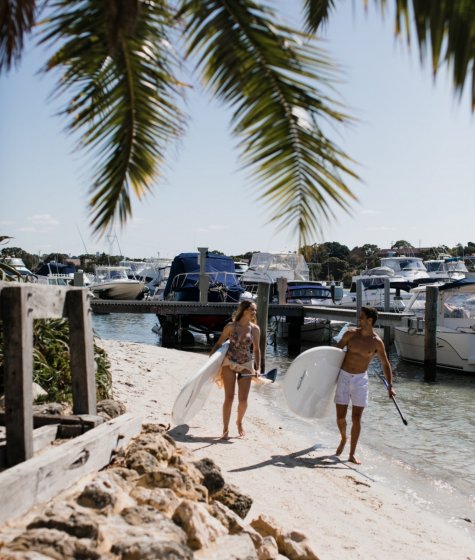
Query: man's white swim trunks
[[352, 386]]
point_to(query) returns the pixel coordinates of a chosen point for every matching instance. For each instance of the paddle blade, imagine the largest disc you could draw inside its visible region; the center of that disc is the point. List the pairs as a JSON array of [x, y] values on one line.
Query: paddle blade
[[271, 375]]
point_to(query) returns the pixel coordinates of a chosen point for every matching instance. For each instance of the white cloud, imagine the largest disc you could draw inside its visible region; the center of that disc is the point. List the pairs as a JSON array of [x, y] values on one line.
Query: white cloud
[[43, 220]]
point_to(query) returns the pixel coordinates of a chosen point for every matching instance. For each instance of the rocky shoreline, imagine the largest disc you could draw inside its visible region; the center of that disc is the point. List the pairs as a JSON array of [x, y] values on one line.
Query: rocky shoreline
[[155, 500]]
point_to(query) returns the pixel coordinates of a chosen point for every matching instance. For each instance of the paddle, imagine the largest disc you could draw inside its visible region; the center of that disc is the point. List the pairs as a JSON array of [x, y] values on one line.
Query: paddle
[[271, 375], [383, 379]]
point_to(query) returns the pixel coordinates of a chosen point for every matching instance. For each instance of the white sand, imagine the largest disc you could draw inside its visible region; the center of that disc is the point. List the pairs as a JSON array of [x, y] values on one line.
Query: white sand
[[345, 514]]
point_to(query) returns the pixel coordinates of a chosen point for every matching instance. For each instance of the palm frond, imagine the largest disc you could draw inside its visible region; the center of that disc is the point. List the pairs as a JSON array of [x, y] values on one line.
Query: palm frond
[[317, 13], [445, 29], [117, 66], [17, 17], [268, 74]]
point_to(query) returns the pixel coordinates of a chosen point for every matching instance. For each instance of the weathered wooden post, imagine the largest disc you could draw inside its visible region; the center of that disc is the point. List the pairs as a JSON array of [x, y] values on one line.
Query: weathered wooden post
[[430, 335], [17, 317], [282, 290], [263, 290], [359, 297], [81, 349], [204, 279], [387, 330], [78, 279]]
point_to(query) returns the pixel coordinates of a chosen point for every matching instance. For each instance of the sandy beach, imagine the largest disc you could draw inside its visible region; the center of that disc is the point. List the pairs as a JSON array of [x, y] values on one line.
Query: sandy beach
[[344, 513]]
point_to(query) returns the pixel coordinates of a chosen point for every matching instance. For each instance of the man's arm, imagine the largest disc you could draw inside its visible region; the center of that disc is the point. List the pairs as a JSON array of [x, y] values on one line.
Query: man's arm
[[387, 370]]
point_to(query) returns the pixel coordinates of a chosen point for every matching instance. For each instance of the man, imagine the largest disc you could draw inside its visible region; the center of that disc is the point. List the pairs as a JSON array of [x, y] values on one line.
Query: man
[[362, 344]]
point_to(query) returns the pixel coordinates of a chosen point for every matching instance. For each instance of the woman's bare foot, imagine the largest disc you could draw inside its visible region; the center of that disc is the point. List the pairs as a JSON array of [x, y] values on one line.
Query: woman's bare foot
[[225, 435], [241, 431], [353, 459], [340, 448]]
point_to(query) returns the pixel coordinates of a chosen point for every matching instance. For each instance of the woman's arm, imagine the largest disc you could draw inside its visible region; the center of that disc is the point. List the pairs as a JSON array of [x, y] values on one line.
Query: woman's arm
[[256, 344], [222, 338]]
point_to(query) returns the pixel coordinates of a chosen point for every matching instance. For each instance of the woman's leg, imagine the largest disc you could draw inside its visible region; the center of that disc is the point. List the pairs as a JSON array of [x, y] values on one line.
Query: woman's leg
[[229, 382], [244, 385]]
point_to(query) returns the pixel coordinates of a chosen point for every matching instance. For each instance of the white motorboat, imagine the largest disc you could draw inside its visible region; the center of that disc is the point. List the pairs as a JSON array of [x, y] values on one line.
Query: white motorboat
[[406, 269], [153, 272], [455, 331], [446, 268], [373, 290], [112, 282], [308, 293], [15, 269]]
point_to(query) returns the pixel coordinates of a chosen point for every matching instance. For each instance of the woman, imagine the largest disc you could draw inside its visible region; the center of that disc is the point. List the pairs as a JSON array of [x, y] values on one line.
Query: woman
[[244, 352]]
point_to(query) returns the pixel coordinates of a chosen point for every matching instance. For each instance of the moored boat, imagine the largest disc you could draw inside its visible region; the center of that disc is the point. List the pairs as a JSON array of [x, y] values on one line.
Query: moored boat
[[112, 282], [455, 330]]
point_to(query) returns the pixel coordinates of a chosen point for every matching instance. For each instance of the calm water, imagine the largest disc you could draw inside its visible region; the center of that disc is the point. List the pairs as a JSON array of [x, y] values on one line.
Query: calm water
[[431, 459]]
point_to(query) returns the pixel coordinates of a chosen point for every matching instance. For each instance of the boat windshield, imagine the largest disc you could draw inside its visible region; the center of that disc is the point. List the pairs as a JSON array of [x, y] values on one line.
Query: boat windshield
[[459, 305]]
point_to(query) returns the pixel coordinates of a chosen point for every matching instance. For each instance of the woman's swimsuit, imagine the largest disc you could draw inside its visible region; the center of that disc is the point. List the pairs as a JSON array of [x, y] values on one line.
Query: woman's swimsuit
[[239, 357]]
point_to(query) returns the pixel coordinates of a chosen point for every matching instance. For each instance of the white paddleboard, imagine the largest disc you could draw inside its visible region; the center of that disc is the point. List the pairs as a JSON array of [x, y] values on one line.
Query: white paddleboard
[[192, 397], [310, 382]]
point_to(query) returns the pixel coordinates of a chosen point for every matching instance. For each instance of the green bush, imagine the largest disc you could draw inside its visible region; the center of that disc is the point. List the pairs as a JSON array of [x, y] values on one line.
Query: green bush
[[51, 362]]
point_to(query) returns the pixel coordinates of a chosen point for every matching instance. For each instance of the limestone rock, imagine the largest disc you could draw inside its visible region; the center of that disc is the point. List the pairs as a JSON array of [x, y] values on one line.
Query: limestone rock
[[53, 544], [162, 499], [199, 525], [229, 547], [212, 476], [234, 499], [109, 408], [64, 517]]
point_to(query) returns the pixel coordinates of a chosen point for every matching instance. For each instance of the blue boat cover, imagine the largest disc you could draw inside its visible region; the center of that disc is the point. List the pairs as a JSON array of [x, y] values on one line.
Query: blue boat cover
[[55, 268], [186, 266]]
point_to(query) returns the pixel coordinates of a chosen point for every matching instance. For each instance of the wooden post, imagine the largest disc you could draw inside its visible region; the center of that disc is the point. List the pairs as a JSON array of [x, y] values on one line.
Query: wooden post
[[387, 330], [294, 336], [78, 279], [430, 336], [16, 313], [204, 279], [359, 297], [263, 290], [282, 290], [81, 349]]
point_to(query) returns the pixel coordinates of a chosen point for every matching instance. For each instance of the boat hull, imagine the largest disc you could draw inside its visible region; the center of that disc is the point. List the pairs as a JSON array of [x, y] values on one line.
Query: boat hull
[[455, 349], [123, 290]]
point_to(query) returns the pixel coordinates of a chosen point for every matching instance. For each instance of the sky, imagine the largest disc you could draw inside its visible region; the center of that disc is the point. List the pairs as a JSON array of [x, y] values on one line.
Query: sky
[[413, 143]]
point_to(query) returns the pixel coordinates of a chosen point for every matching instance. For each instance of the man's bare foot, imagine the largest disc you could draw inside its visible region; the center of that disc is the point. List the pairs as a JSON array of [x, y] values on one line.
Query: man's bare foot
[[225, 435], [340, 447], [241, 431], [353, 459]]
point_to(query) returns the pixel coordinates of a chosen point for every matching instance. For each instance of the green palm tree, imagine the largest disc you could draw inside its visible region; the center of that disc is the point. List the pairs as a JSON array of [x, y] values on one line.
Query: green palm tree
[[120, 63]]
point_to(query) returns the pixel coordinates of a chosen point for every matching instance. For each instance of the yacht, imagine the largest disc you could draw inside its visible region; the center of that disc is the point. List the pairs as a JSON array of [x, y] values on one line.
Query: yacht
[[406, 269], [446, 268], [455, 329], [112, 282]]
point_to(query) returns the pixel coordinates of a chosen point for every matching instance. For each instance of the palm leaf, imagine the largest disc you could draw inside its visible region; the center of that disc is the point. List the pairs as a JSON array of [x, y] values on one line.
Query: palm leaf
[[268, 74], [17, 17], [116, 64], [445, 29]]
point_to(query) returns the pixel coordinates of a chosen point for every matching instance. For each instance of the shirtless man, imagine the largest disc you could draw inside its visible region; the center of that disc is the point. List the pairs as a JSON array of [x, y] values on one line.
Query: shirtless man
[[362, 344]]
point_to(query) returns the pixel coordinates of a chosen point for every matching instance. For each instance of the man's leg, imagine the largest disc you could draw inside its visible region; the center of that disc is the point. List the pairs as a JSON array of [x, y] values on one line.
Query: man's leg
[[341, 410], [356, 414]]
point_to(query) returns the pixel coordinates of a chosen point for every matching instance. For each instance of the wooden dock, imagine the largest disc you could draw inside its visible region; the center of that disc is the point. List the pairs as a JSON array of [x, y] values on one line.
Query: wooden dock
[[288, 310], [294, 314]]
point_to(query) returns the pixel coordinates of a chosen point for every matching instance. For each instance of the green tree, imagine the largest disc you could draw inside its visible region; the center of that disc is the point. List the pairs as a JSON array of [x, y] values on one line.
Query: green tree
[[121, 73]]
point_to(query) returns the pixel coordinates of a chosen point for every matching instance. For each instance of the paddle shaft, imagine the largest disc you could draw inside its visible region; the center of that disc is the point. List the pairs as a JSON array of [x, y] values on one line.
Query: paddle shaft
[[404, 421]]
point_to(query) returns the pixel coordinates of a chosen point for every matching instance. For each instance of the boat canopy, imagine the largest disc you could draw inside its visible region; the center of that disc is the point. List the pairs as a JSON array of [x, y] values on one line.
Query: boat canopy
[[462, 283], [220, 268], [55, 268]]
